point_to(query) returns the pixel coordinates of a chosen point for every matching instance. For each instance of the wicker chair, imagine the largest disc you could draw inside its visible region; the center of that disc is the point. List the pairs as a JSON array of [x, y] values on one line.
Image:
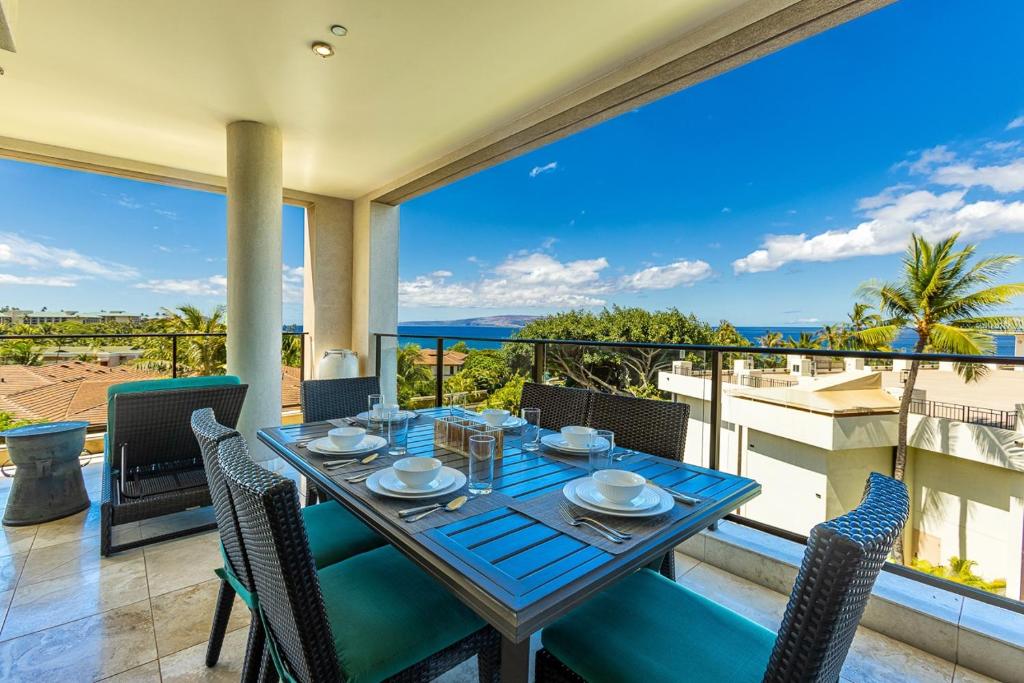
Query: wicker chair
[[559, 406], [153, 465], [334, 534], [647, 628], [655, 427], [329, 399], [373, 617]]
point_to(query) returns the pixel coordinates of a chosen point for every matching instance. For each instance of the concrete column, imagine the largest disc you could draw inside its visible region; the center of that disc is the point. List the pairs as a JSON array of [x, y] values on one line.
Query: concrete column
[[327, 290], [254, 273], [375, 287]]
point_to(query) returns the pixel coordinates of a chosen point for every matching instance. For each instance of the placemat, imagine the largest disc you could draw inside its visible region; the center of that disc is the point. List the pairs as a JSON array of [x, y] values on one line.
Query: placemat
[[389, 507], [545, 510]]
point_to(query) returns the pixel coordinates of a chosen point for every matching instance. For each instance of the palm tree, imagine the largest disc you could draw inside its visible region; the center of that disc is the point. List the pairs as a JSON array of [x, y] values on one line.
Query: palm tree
[[291, 350], [833, 336], [21, 352], [805, 341], [413, 379], [947, 298], [770, 340], [862, 318], [197, 355]]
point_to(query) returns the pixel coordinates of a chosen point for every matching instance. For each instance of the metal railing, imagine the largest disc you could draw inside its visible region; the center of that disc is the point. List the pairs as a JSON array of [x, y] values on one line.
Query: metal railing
[[714, 357], [989, 417], [60, 340]]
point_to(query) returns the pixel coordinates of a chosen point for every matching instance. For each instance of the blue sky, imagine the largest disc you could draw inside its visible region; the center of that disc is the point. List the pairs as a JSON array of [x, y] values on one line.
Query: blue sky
[[764, 196], [693, 184]]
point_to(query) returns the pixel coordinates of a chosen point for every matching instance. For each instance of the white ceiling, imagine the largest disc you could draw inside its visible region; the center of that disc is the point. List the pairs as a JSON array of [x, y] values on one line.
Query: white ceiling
[[157, 81]]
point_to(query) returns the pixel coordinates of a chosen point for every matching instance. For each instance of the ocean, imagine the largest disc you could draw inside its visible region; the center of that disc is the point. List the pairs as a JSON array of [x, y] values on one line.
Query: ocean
[[905, 341]]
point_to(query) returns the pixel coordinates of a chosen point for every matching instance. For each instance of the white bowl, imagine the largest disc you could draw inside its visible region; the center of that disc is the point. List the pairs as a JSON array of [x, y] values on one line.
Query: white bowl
[[495, 417], [619, 486], [577, 437], [346, 438], [417, 472]]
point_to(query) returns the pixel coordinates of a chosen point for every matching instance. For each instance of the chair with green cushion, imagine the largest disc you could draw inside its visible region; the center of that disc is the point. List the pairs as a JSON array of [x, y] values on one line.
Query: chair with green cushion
[[334, 535], [650, 629], [374, 617], [152, 465]]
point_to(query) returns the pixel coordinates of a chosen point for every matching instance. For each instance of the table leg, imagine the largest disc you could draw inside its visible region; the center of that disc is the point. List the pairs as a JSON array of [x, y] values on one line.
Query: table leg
[[515, 661]]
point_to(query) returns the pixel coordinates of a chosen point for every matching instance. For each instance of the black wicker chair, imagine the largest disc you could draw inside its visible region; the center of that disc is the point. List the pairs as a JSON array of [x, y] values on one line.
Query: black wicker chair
[[370, 617], [559, 406], [334, 534], [649, 629], [329, 399], [655, 427], [153, 465]]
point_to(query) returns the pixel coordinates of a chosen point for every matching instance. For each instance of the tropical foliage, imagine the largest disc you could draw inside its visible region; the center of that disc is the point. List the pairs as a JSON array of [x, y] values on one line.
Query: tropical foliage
[[197, 355], [960, 570], [949, 298]]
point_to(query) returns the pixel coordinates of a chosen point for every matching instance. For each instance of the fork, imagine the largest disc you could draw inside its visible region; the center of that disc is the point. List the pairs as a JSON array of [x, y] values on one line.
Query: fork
[[563, 510], [362, 476]]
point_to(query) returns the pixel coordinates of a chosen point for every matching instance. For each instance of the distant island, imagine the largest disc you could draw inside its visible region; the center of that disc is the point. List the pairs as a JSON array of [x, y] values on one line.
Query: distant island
[[487, 321]]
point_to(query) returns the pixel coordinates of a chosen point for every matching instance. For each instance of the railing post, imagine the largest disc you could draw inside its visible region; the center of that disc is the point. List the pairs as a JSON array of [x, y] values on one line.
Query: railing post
[[174, 355], [302, 355], [376, 355], [716, 409], [439, 380], [539, 361]]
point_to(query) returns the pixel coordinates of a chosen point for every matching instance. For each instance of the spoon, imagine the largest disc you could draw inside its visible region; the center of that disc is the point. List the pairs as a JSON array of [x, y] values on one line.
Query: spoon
[[452, 506], [337, 464]]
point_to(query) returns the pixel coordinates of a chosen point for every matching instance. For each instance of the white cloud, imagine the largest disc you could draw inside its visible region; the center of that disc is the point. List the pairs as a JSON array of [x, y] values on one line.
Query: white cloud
[[20, 251], [128, 202], [682, 273], [726, 209], [441, 273], [173, 215], [546, 168], [1005, 178], [539, 280], [928, 159], [899, 210], [1016, 123], [54, 281], [215, 285]]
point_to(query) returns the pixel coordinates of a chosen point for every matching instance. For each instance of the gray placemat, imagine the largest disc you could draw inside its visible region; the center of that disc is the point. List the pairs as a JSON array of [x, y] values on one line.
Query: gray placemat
[[389, 507], [545, 510]]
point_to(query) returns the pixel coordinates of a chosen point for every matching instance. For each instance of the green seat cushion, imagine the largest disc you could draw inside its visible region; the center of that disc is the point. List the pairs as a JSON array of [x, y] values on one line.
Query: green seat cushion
[[335, 534], [386, 614], [650, 629]]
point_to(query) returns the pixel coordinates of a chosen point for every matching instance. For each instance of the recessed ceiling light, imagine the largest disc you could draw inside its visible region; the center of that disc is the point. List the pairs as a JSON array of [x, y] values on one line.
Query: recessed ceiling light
[[322, 49], [339, 30]]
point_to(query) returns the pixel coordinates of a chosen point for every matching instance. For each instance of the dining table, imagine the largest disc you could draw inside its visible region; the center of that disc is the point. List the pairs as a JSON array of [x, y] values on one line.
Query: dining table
[[510, 556]]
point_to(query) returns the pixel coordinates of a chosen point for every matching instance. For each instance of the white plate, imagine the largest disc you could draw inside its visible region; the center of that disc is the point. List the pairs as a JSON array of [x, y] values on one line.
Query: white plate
[[390, 481], [373, 483], [557, 442], [365, 416], [589, 492], [513, 422], [323, 446], [665, 504]]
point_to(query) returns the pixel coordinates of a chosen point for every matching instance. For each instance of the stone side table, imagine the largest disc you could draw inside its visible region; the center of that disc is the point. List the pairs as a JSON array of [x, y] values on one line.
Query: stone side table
[[48, 483]]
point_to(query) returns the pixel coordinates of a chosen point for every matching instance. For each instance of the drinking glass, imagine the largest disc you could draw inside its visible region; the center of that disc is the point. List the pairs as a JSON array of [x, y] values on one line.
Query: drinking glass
[[398, 432], [481, 464], [375, 408], [457, 403], [531, 430], [600, 449]]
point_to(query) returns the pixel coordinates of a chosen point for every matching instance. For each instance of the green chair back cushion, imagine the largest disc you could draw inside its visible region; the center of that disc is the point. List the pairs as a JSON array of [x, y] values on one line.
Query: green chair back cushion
[[158, 385], [386, 614], [648, 628]]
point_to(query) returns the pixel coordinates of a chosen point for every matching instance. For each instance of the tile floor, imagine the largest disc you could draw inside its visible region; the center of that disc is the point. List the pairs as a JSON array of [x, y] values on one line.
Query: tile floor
[[144, 615]]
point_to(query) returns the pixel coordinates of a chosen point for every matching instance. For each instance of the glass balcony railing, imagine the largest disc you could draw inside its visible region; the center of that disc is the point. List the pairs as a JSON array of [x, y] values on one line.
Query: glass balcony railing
[[809, 425]]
